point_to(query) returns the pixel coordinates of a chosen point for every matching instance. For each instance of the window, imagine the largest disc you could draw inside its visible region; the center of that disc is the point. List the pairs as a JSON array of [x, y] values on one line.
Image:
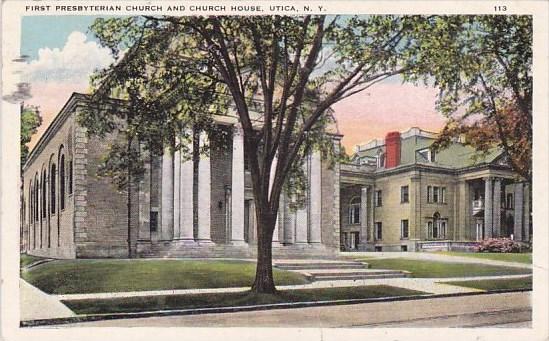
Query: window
[[443, 194], [378, 198], [404, 231], [436, 228], [403, 248], [428, 154], [62, 183], [44, 194], [70, 177], [52, 188], [510, 201], [379, 231], [404, 196], [154, 221], [354, 211], [435, 194]]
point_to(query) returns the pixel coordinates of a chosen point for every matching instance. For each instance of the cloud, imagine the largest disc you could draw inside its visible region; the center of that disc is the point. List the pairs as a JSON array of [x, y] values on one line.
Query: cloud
[[73, 63]]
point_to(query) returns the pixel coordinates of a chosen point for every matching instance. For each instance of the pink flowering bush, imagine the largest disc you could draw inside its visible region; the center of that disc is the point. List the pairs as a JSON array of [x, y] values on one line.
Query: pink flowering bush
[[503, 245]]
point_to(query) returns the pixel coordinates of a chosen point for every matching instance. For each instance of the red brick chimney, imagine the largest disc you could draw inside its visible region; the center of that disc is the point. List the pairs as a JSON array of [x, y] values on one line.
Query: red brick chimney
[[392, 146]]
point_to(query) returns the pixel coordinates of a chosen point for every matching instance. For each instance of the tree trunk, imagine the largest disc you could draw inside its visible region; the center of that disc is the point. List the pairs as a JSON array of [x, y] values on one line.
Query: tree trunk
[[264, 281]]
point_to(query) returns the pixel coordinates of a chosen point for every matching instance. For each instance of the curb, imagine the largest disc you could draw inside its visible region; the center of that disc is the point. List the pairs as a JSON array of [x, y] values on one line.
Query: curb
[[218, 310]]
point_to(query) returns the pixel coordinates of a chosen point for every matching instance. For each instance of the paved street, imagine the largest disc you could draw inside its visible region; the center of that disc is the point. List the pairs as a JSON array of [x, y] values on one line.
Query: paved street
[[504, 310]]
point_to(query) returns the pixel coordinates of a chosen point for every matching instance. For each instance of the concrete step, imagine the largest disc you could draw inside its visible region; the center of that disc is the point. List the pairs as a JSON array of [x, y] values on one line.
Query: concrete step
[[357, 277], [349, 272], [307, 266]]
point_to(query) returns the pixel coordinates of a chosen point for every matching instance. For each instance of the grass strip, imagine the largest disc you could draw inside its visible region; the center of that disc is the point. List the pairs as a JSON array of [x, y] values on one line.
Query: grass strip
[[525, 258], [94, 276], [193, 301], [437, 269], [496, 284], [26, 260]]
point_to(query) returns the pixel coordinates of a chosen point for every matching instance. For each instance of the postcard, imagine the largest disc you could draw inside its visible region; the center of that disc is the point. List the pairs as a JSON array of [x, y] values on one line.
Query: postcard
[[274, 169]]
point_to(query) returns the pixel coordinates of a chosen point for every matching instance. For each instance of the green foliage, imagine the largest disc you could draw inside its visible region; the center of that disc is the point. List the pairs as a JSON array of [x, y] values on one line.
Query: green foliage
[[30, 121], [482, 66]]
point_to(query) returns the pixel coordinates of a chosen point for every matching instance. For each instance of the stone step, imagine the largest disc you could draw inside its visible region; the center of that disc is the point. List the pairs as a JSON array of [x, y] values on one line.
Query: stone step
[[357, 277], [349, 272], [307, 266]]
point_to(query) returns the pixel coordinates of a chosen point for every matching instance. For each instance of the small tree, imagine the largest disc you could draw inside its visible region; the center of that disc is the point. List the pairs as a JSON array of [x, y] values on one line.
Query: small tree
[[30, 121]]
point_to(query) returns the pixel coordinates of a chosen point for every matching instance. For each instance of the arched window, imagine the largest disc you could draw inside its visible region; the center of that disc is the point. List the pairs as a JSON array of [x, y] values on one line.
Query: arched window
[[44, 193], [52, 188], [70, 177], [354, 211], [62, 182]]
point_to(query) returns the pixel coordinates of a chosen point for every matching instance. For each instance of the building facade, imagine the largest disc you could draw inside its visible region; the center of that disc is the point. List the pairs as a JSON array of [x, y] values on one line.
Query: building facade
[[400, 195], [396, 195], [181, 208]]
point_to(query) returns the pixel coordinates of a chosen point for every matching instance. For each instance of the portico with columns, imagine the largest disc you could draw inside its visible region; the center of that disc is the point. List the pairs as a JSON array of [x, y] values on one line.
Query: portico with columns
[[205, 205]]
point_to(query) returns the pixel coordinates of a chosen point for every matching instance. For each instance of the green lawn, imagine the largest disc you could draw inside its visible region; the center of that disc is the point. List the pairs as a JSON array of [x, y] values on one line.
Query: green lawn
[[92, 276], [493, 284], [432, 269], [506, 257], [25, 260], [153, 303]]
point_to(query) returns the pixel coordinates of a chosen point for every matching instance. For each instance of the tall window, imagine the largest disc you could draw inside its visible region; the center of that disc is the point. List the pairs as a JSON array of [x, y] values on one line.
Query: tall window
[[404, 231], [62, 183], [52, 188], [404, 196], [443, 194], [436, 228], [510, 201], [70, 177], [44, 194], [378, 198], [379, 231], [354, 211], [435, 194]]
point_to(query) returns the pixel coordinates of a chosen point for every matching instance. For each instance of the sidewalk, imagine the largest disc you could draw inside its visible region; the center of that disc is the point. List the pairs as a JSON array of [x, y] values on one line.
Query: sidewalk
[[433, 256], [36, 304]]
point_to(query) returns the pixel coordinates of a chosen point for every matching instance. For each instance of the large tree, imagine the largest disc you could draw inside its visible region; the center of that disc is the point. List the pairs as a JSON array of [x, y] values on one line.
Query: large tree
[[282, 75], [483, 68]]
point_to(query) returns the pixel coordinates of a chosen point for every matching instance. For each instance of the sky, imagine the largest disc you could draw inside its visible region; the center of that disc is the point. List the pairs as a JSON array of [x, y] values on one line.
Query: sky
[[63, 54]]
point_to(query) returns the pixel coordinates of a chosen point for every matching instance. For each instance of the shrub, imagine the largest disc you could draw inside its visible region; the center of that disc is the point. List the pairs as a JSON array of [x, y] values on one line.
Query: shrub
[[503, 245]]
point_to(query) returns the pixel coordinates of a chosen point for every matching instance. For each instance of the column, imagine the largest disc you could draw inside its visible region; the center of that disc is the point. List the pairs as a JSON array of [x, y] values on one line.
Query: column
[[363, 217], [526, 235], [166, 231], [276, 231], [204, 193], [488, 207], [302, 214], [518, 211], [186, 180], [289, 221], [144, 231], [315, 200], [496, 215], [372, 216], [237, 188], [252, 233], [177, 191]]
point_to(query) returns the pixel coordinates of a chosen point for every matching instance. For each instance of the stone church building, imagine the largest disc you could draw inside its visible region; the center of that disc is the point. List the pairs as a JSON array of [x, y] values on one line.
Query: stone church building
[[396, 195]]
